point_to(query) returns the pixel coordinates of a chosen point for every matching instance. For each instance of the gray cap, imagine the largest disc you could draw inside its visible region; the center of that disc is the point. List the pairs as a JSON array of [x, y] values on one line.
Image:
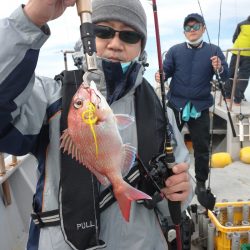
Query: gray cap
[[129, 12]]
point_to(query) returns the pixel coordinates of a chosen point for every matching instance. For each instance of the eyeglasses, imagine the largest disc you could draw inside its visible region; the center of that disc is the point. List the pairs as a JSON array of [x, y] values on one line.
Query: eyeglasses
[[127, 36], [195, 27]]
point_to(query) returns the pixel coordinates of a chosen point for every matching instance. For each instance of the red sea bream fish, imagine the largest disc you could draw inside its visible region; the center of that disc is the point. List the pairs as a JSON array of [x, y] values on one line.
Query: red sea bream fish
[[93, 138]]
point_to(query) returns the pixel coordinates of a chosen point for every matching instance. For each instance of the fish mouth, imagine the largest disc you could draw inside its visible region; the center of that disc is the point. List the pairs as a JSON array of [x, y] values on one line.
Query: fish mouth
[[89, 116], [93, 97]]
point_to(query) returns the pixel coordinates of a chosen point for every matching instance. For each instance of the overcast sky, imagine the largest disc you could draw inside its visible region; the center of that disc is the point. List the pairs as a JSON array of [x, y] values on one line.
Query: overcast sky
[[65, 30]]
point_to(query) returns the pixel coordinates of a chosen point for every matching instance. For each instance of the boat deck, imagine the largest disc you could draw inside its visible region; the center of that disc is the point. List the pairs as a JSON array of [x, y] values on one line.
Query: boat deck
[[231, 183]]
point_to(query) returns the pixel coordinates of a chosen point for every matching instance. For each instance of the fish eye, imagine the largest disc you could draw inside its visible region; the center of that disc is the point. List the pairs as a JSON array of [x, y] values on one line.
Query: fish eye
[[78, 103]]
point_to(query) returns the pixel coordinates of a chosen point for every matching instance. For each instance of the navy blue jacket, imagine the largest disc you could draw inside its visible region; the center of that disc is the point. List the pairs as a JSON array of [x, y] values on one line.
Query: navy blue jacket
[[191, 71]]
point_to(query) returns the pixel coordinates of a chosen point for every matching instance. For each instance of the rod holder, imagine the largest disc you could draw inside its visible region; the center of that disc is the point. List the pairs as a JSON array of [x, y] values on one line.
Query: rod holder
[[245, 223], [200, 221], [245, 212], [206, 221], [210, 238], [229, 224], [230, 213], [235, 241]]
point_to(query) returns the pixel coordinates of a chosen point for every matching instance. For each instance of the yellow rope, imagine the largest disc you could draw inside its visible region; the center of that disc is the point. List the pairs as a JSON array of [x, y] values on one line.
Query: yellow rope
[[89, 118]]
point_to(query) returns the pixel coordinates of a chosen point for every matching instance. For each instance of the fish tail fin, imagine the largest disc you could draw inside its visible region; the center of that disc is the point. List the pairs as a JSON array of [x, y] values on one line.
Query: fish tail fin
[[125, 195]]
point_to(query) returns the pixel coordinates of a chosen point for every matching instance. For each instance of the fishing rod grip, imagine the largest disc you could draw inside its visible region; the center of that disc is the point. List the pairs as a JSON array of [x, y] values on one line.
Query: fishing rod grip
[[84, 9], [174, 206], [83, 6]]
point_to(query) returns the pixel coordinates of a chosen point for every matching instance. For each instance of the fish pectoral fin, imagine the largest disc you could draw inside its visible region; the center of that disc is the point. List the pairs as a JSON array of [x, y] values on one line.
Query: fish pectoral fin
[[68, 145], [123, 120], [129, 153]]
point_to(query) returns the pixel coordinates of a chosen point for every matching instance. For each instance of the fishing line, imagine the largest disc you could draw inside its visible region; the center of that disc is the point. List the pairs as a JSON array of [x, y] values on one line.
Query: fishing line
[[93, 179], [212, 115], [167, 158], [89, 117], [63, 8], [218, 74], [222, 92]]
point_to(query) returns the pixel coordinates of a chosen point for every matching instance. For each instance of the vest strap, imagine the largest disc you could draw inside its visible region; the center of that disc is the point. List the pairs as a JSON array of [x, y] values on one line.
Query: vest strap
[[48, 218], [52, 218], [107, 196]]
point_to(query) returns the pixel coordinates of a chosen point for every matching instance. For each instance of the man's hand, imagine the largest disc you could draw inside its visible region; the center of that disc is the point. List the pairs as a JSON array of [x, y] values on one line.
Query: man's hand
[[178, 185], [216, 63], [42, 11], [157, 77]]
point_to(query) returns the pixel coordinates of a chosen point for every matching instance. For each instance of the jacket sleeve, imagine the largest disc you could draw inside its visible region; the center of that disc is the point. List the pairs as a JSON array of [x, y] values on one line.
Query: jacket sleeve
[[22, 102], [236, 33], [168, 64]]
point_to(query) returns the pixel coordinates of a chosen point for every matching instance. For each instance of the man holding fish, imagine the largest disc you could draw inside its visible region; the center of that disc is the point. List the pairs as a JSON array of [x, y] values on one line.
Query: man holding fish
[[112, 123]]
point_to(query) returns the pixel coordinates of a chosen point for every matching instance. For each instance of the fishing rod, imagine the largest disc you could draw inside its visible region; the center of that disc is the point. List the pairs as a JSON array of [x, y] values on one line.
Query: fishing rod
[[217, 73], [84, 9], [208, 200], [167, 158]]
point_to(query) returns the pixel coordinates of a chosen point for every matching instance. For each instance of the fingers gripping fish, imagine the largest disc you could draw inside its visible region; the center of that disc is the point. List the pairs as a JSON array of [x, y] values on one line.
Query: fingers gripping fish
[[93, 139]]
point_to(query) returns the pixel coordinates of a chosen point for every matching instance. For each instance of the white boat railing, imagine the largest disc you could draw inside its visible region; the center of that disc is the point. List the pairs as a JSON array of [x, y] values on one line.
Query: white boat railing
[[5, 172], [235, 78]]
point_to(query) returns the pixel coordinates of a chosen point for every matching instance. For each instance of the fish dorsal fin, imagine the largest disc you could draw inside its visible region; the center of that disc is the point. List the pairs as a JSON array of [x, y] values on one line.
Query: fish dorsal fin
[[129, 153], [68, 145], [123, 120]]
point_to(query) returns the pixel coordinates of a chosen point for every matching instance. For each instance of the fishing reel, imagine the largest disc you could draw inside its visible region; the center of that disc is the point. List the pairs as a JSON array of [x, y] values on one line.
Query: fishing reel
[[158, 174], [160, 170]]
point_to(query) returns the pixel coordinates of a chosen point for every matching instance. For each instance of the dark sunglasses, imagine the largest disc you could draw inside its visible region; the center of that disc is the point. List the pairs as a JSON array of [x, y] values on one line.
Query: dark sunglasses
[[127, 36], [195, 27]]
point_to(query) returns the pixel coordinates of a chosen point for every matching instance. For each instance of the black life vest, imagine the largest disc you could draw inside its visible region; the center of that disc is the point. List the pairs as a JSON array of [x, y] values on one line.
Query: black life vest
[[79, 194]]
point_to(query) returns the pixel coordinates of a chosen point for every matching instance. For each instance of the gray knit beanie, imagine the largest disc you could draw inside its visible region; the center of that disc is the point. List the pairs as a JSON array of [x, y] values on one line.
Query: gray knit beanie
[[129, 12]]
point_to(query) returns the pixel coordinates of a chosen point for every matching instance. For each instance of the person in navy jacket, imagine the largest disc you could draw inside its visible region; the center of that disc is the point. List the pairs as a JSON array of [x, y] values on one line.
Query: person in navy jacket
[[191, 66]]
